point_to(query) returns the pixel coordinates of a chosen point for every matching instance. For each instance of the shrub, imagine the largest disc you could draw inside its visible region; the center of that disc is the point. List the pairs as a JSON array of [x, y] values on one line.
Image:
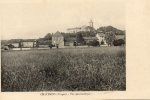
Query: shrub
[[93, 43], [102, 42], [119, 42]]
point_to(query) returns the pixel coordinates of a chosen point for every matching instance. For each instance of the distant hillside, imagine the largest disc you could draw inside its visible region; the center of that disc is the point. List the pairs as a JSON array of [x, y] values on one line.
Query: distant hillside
[[111, 28]]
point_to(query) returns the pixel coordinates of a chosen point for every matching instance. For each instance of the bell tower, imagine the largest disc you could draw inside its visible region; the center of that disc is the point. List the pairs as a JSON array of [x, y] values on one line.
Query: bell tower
[[91, 23], [91, 26]]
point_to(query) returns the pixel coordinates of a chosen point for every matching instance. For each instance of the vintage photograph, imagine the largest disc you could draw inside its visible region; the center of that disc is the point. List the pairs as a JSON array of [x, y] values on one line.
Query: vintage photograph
[[63, 45]]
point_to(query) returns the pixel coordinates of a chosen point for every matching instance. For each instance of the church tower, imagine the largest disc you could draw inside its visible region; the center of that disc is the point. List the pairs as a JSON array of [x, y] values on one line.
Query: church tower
[[91, 26], [91, 23]]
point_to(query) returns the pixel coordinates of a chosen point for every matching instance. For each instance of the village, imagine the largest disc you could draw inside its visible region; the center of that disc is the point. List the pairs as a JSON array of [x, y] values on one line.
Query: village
[[84, 36], [64, 46]]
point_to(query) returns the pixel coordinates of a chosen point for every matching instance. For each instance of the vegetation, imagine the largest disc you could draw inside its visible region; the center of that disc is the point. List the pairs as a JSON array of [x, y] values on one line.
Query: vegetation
[[90, 69], [102, 42], [119, 42], [105, 29], [93, 43], [110, 37], [48, 36], [87, 34], [80, 39]]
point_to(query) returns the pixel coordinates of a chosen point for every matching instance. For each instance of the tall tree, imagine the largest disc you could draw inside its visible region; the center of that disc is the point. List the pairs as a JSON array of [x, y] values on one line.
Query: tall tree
[[48, 36], [110, 37], [79, 38]]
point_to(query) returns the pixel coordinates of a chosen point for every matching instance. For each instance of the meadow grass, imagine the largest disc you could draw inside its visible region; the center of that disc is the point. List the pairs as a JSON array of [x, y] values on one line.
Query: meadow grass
[[78, 69]]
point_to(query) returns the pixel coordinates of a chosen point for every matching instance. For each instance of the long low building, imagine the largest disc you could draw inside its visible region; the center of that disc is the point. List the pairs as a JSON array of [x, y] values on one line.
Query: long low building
[[80, 29]]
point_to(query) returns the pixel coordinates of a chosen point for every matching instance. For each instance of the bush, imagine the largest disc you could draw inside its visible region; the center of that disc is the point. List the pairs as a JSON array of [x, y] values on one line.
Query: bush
[[119, 42], [93, 43], [102, 42], [80, 39]]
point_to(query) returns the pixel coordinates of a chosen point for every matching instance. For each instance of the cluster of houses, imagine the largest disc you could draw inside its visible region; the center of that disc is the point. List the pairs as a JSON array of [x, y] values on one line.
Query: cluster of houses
[[59, 40]]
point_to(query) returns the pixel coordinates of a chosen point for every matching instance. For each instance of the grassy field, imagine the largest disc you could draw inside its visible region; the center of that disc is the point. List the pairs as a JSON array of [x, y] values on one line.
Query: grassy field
[[84, 69]]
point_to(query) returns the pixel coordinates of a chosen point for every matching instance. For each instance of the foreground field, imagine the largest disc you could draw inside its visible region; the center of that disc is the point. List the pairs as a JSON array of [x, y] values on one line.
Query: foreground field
[[89, 69]]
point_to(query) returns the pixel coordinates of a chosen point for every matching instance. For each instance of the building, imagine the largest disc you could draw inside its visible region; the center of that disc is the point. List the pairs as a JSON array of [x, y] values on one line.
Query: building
[[43, 43], [84, 28], [74, 30], [28, 43], [14, 42], [16, 45], [58, 40], [69, 41], [101, 38]]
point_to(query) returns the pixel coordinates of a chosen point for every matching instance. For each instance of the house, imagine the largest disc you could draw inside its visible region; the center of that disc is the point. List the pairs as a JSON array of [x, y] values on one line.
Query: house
[[28, 43], [16, 45], [101, 38], [58, 40], [74, 30], [82, 28], [69, 41], [14, 42]]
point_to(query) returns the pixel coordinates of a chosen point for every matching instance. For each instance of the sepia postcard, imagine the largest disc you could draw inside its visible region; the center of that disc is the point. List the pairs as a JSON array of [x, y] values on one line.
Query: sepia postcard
[[74, 49]]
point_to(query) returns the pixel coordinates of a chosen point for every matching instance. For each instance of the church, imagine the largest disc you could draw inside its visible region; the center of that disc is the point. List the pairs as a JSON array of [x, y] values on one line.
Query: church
[[84, 28]]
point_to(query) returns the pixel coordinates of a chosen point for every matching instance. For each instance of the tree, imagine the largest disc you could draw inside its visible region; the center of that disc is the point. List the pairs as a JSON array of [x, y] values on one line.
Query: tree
[[48, 36], [102, 42], [119, 42], [105, 29], [80, 39], [93, 43], [10, 46], [110, 37], [20, 45]]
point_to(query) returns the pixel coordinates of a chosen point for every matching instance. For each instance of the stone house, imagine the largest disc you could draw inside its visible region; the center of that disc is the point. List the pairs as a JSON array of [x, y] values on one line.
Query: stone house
[[101, 38], [28, 43], [58, 40]]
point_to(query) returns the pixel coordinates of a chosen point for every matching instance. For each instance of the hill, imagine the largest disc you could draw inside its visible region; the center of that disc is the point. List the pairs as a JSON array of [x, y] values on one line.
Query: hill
[[111, 28]]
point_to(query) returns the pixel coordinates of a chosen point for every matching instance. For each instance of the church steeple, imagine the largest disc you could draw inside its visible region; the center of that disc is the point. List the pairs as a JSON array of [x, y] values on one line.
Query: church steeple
[[91, 26], [91, 23]]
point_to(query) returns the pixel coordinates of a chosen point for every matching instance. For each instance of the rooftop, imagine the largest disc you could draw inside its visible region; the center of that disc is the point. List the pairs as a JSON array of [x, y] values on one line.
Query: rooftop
[[57, 34]]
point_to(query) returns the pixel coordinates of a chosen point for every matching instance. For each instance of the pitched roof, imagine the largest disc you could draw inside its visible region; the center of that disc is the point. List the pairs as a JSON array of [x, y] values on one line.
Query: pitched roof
[[57, 34], [21, 40], [28, 40]]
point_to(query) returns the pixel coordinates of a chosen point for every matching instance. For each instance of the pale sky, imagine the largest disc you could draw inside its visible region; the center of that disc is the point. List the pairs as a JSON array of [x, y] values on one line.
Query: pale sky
[[26, 19]]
